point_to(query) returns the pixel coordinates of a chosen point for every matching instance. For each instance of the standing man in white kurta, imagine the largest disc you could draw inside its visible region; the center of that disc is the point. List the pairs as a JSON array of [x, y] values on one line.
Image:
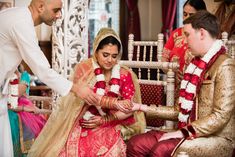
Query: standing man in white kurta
[[18, 42]]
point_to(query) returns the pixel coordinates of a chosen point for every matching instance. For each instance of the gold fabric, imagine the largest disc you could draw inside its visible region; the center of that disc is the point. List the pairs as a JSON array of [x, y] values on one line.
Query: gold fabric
[[163, 112], [215, 113], [55, 133]]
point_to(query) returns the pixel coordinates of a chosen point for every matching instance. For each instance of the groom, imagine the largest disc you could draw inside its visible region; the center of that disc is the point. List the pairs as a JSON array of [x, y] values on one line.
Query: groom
[[206, 107]]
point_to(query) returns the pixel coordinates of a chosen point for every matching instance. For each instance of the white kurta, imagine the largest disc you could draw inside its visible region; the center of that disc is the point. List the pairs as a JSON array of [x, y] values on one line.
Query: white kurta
[[18, 41], [6, 147]]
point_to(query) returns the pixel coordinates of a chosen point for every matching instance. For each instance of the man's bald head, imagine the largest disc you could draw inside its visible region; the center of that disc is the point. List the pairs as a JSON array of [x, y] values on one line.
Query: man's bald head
[[45, 11]]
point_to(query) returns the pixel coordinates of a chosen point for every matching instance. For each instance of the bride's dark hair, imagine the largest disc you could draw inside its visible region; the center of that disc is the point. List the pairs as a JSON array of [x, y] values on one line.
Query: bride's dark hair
[[109, 40]]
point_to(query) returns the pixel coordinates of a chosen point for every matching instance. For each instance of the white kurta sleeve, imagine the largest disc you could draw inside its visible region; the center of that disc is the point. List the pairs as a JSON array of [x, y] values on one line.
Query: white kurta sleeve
[[25, 38]]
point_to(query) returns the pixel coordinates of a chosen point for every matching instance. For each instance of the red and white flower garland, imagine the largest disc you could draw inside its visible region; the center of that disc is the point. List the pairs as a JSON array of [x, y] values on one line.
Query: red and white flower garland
[[114, 81], [13, 91], [190, 82], [101, 84]]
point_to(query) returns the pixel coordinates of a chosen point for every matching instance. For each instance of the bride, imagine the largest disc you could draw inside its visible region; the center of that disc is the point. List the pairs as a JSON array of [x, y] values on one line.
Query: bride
[[82, 130]]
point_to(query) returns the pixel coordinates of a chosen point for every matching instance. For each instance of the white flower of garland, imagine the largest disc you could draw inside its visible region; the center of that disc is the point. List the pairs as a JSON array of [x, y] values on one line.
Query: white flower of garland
[[198, 72], [190, 68], [100, 78], [100, 91], [187, 104], [115, 88], [191, 88], [182, 117], [183, 84], [88, 115]]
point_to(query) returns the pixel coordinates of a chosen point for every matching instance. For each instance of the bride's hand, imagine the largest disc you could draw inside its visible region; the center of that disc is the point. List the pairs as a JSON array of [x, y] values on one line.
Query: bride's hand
[[92, 123], [140, 107], [136, 106], [124, 106]]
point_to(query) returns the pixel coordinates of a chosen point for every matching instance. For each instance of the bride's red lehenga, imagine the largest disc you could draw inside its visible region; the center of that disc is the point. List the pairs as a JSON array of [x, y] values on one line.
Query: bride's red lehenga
[[106, 139]]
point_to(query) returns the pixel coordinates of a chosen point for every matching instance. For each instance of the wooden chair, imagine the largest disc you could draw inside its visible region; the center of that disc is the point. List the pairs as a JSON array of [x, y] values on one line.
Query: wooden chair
[[144, 58], [42, 102], [230, 44], [41, 97]]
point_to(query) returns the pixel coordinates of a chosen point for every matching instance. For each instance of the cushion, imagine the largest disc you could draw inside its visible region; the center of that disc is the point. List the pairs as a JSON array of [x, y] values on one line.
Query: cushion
[[153, 94]]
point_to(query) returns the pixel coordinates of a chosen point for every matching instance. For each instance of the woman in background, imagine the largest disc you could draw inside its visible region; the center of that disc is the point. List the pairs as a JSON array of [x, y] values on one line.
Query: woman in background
[[226, 16], [25, 125], [176, 48]]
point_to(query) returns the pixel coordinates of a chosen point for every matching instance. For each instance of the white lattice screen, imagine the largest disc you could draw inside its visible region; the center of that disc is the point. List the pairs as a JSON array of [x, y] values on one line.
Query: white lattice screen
[[70, 37]]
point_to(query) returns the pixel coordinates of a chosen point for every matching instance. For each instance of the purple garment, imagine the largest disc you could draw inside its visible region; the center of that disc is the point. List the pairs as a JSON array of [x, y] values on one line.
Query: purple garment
[[147, 144]]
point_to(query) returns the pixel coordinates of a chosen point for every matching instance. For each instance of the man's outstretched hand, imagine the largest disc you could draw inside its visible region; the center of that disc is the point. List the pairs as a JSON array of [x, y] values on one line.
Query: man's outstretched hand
[[83, 91], [86, 94]]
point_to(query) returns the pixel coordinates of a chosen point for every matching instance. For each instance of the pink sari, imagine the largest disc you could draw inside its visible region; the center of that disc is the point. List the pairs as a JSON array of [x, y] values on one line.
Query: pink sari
[[32, 121]]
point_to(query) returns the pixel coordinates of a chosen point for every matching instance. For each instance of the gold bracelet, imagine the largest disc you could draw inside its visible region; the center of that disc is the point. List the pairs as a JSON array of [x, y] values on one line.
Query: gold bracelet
[[106, 102], [102, 101], [115, 117], [111, 103], [105, 119]]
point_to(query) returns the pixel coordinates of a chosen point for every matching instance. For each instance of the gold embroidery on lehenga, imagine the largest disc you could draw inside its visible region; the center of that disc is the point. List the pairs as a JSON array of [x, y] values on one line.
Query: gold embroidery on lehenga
[[102, 150]]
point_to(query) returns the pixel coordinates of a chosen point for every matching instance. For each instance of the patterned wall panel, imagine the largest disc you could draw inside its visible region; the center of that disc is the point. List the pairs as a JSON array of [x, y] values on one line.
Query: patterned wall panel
[[70, 37]]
